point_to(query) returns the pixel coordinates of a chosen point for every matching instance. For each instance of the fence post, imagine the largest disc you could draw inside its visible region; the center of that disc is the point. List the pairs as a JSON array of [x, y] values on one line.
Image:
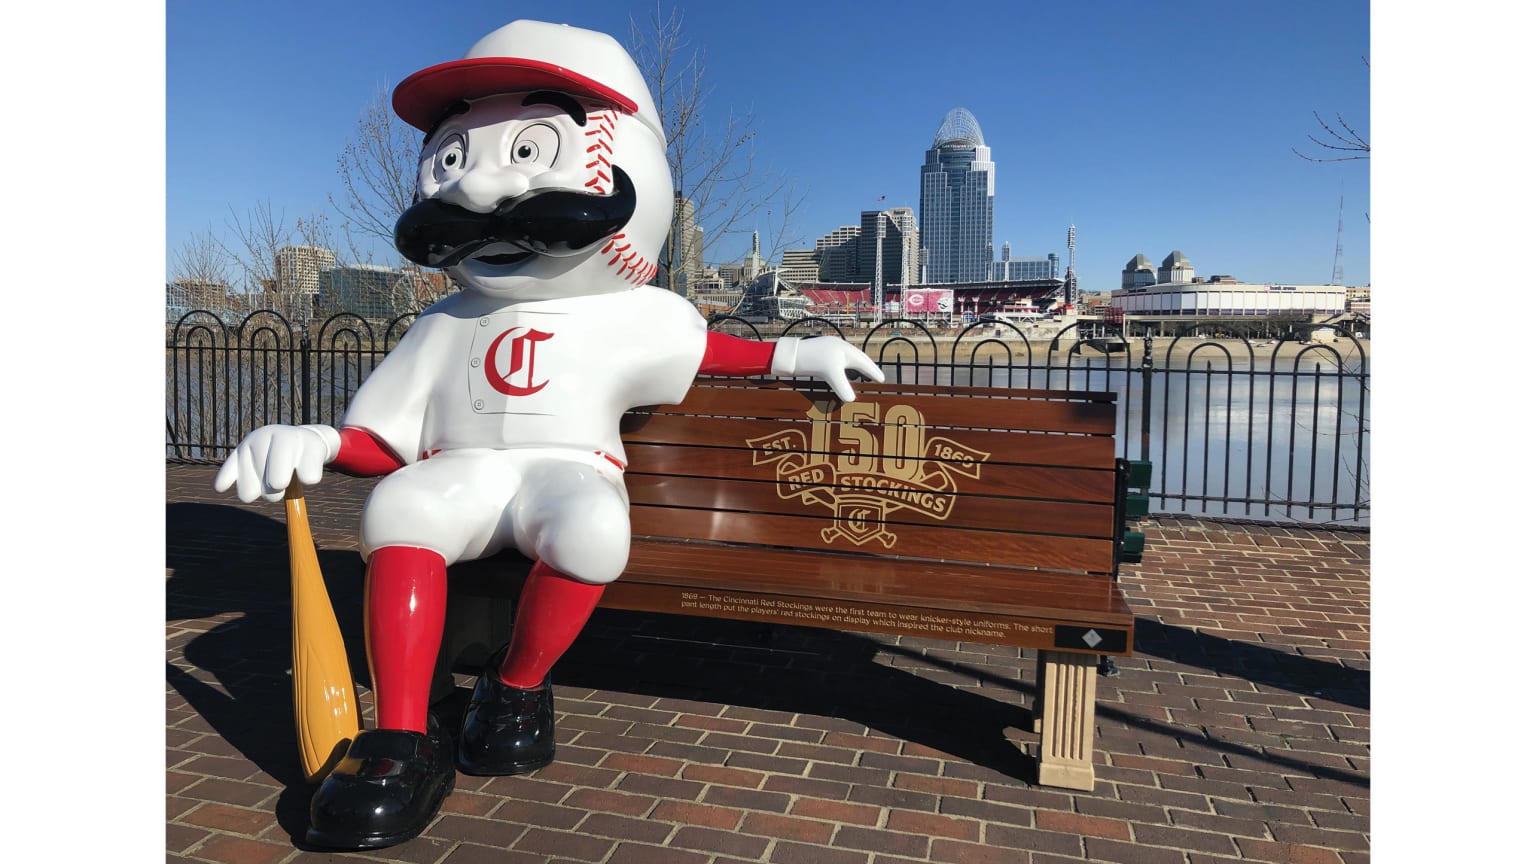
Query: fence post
[[1146, 396], [306, 406]]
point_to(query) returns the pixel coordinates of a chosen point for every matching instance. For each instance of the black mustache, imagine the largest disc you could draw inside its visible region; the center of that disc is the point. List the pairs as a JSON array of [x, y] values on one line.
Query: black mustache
[[554, 222]]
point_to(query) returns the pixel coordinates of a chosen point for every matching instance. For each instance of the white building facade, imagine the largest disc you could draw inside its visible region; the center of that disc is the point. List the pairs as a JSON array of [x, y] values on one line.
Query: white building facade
[[1228, 299]]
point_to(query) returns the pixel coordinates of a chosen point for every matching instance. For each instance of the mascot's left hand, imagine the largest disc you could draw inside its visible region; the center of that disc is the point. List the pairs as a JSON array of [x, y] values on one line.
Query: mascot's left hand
[[826, 357]]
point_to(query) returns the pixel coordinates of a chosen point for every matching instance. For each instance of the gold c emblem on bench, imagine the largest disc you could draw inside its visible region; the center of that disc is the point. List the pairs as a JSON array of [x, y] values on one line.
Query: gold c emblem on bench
[[864, 465]]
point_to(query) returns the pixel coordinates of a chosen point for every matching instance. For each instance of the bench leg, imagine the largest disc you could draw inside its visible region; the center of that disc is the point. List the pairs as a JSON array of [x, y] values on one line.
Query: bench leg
[[1065, 711], [1039, 712]]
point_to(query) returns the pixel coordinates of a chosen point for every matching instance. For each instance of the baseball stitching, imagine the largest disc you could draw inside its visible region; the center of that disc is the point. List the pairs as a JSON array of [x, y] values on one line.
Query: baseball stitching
[[630, 265], [599, 149]]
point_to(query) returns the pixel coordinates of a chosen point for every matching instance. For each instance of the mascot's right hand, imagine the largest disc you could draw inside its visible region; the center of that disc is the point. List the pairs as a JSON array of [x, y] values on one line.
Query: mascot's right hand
[[268, 459]]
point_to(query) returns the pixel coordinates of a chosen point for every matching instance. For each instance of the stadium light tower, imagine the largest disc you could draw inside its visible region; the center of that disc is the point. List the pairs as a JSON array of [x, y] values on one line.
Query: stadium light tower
[[1338, 248], [1071, 286]]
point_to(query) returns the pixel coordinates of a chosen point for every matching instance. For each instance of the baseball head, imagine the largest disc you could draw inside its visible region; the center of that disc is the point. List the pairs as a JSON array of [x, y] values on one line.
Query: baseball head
[[543, 172]]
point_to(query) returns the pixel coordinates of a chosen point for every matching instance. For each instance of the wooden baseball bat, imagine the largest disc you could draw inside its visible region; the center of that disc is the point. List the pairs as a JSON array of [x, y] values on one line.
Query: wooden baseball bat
[[324, 704]]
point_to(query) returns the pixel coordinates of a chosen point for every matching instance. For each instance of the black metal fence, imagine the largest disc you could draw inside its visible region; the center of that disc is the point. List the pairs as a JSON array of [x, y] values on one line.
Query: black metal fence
[[1235, 426]]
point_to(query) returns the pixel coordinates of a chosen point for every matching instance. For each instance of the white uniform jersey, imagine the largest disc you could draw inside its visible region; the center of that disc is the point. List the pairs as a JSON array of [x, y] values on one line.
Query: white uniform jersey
[[478, 372]]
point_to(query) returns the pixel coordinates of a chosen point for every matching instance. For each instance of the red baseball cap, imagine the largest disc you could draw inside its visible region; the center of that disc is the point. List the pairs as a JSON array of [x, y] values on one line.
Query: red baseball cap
[[529, 55]]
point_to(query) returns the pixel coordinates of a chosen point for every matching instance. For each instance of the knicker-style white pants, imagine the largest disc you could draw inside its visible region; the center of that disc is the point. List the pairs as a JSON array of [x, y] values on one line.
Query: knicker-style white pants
[[567, 508]]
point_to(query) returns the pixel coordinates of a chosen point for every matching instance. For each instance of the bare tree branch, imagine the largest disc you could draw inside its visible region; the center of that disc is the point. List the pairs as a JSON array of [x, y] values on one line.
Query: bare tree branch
[[256, 239], [713, 168], [201, 258], [1349, 142], [378, 176], [200, 271]]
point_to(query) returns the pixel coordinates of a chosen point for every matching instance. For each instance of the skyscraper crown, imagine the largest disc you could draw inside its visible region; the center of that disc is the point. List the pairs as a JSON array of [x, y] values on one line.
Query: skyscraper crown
[[959, 130]]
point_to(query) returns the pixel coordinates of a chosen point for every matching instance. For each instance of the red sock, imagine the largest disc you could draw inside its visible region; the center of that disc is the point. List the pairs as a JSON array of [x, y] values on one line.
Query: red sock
[[405, 599], [550, 613]]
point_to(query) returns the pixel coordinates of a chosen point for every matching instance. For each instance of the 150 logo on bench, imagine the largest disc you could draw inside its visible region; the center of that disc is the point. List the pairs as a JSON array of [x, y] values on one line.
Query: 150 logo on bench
[[864, 461]]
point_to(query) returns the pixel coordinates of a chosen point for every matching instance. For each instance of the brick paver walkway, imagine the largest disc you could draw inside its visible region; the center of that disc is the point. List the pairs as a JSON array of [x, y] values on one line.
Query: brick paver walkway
[[1239, 731]]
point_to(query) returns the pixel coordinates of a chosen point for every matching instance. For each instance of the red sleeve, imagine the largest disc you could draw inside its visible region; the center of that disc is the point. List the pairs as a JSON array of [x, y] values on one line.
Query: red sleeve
[[363, 455], [728, 355]]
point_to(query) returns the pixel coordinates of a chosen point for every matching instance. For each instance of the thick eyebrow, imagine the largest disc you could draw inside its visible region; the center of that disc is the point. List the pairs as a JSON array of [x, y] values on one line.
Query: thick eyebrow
[[559, 100], [458, 107]]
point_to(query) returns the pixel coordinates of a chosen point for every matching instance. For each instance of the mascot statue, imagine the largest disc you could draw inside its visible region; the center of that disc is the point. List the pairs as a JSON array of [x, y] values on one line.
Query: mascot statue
[[543, 189]]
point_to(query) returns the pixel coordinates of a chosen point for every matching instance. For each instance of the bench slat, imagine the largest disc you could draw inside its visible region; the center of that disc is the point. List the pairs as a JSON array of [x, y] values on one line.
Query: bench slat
[[1011, 481], [1087, 451], [1047, 552], [995, 605], [938, 584], [1008, 412], [958, 511], [946, 584]]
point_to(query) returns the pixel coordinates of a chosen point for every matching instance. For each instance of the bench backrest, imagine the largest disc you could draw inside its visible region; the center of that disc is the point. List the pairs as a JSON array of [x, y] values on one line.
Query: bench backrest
[[992, 476]]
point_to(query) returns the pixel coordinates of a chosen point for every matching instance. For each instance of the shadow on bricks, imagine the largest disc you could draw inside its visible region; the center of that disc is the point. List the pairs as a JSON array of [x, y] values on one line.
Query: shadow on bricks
[[797, 670], [238, 671], [1274, 667]]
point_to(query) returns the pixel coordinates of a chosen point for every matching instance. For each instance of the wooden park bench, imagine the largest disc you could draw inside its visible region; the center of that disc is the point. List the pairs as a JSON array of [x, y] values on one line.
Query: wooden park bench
[[967, 513]]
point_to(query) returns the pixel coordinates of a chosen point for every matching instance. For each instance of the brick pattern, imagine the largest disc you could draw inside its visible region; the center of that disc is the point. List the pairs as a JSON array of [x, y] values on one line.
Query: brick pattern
[[1239, 731]]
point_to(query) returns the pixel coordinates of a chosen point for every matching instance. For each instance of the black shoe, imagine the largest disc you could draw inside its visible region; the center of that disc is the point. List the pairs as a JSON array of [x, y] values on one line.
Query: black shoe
[[384, 791], [507, 730]]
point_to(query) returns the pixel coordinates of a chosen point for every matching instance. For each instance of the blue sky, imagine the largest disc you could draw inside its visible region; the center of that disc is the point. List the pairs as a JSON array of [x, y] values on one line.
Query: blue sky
[[1150, 126]]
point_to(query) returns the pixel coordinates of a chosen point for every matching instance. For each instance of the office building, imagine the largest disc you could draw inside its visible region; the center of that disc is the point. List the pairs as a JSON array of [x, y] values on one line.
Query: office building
[[798, 266], [955, 203], [369, 290], [185, 295], [298, 268], [1176, 269], [897, 240], [837, 254], [682, 256], [1138, 272], [378, 292], [1012, 269]]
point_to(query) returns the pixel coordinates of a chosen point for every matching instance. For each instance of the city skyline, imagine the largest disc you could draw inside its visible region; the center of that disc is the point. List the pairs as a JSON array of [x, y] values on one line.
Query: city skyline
[[1141, 150]]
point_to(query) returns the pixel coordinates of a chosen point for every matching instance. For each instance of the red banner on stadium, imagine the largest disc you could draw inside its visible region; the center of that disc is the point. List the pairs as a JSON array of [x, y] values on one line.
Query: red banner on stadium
[[928, 301]]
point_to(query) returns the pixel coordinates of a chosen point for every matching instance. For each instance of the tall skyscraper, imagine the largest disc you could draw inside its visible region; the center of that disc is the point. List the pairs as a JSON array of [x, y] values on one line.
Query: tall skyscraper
[[898, 246], [683, 251], [955, 203]]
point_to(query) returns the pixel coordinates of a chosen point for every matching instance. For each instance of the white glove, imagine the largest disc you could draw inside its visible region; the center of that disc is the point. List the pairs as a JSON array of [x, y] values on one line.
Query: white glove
[[826, 357], [269, 458]]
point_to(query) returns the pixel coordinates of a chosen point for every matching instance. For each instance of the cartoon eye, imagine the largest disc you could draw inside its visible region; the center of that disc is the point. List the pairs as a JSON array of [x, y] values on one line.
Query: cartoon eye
[[536, 145], [450, 157]]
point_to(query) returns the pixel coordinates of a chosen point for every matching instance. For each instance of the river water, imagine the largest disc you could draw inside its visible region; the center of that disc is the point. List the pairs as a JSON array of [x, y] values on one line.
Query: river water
[[1275, 438]]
